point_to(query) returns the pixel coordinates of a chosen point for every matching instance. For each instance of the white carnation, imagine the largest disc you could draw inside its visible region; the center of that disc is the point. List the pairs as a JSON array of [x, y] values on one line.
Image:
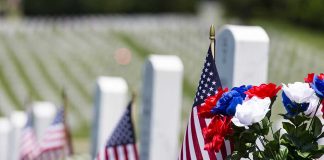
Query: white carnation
[[313, 102], [298, 92], [251, 111]]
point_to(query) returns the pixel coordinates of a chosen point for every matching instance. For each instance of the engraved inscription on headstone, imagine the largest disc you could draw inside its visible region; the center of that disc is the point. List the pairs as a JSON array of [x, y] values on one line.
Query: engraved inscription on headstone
[[242, 55]]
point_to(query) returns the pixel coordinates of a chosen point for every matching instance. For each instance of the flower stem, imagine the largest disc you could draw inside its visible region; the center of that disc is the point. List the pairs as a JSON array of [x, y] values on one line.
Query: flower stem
[[261, 140], [319, 103]]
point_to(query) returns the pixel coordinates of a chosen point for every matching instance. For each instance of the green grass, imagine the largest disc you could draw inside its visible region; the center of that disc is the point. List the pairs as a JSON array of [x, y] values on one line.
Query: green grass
[[33, 93], [309, 36], [143, 52], [5, 84]]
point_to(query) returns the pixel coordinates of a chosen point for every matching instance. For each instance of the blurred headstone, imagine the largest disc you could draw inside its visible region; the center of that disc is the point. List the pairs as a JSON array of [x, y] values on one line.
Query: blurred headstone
[[161, 108], [5, 130], [109, 104], [18, 121], [43, 114], [242, 55]]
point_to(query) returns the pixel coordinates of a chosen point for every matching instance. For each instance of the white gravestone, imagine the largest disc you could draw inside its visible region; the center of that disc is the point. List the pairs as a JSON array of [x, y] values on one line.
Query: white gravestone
[[111, 98], [161, 108], [5, 130], [18, 121], [242, 55], [43, 114]]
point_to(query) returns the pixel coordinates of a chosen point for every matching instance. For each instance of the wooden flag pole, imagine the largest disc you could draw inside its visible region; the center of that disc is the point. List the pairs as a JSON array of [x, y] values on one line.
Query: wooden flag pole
[[212, 39], [67, 130]]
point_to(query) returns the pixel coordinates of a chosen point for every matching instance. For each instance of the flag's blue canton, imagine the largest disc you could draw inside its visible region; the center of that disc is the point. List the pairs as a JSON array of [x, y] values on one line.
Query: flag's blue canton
[[124, 132], [59, 117], [209, 80], [29, 123]]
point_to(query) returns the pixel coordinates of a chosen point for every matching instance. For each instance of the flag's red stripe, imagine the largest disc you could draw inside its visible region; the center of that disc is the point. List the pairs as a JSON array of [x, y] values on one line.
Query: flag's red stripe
[[223, 151], [203, 124], [106, 154], [98, 156], [195, 138], [187, 146], [135, 152], [232, 145], [116, 153], [125, 151]]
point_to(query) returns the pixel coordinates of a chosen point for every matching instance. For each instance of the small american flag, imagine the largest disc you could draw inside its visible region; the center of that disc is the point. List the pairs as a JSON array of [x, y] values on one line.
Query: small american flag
[[29, 147], [122, 144], [54, 144], [193, 143]]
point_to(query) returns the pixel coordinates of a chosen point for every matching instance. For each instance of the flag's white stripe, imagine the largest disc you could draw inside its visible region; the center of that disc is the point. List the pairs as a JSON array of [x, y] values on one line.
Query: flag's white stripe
[[208, 120], [200, 137], [53, 144], [111, 153], [55, 127], [219, 156], [191, 144], [120, 152], [60, 135], [131, 151], [184, 153], [228, 147]]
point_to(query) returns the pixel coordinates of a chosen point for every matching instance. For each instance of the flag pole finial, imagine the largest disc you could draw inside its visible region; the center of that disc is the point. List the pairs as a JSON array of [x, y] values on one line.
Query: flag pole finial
[[212, 32], [212, 39]]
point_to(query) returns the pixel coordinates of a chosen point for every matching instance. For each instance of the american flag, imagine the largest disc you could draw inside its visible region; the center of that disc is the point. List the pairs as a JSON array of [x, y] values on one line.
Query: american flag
[[54, 144], [193, 143], [29, 147], [121, 144]]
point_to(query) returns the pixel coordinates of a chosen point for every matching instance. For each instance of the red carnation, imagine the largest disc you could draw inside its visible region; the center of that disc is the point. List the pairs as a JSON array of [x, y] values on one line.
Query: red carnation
[[215, 133], [210, 102], [321, 76], [264, 90], [309, 78]]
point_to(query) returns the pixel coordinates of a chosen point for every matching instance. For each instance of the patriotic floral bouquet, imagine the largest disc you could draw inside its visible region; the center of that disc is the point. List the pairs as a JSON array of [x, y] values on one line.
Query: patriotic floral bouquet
[[243, 113]]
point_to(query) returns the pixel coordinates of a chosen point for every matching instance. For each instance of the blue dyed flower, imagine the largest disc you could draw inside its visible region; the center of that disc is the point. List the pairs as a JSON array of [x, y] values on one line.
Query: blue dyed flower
[[318, 85], [291, 107], [229, 100], [242, 89]]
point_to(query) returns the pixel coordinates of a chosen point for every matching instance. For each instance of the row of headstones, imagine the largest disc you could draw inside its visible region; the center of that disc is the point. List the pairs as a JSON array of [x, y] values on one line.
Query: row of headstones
[[160, 113]]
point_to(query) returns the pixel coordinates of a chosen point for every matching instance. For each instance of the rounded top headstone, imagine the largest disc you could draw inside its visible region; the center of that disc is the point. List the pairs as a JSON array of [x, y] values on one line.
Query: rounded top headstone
[[166, 62], [18, 118], [112, 84], [4, 124], [245, 33], [44, 109]]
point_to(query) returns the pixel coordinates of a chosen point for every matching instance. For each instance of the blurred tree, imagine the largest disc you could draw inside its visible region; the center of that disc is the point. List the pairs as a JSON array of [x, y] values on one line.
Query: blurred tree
[[307, 12], [68, 7]]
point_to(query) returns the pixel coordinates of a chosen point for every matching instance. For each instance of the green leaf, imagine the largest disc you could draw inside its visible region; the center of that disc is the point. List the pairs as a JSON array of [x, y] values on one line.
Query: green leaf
[[283, 153], [316, 126], [298, 120], [257, 155], [300, 130], [303, 154], [290, 128], [276, 135], [309, 147]]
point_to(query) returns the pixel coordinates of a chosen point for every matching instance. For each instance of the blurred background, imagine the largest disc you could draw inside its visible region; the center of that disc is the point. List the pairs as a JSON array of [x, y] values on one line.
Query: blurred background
[[49, 45]]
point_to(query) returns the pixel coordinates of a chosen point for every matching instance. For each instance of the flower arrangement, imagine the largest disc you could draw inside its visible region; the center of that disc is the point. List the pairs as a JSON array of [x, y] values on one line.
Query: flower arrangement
[[243, 113]]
